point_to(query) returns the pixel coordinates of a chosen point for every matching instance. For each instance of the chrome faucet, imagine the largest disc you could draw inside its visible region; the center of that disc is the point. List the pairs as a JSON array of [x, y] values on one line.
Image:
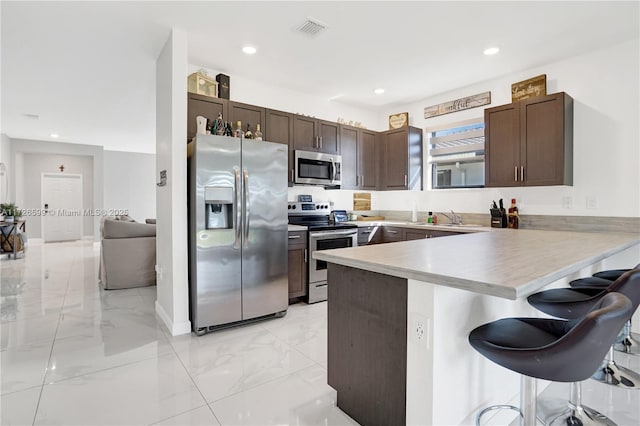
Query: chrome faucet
[[454, 218]]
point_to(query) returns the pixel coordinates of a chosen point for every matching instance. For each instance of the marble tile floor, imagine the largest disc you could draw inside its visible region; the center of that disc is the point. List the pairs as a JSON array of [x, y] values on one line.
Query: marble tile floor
[[74, 354]]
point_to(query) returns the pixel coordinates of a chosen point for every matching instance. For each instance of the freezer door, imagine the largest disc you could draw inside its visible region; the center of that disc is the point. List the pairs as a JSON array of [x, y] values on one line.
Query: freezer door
[[264, 245], [215, 242]]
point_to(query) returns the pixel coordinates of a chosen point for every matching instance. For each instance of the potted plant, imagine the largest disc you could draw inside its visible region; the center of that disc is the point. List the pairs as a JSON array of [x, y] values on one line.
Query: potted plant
[[10, 211]]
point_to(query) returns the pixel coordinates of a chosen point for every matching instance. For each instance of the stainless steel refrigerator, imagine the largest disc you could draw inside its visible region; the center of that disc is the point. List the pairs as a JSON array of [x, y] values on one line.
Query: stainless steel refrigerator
[[237, 230]]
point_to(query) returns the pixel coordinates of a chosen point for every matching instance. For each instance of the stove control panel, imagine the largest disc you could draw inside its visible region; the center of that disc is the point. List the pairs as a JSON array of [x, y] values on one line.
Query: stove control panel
[[301, 208]]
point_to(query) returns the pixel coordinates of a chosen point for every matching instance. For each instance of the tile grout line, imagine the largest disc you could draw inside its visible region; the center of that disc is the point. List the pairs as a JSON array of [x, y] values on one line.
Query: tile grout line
[[194, 384], [53, 343]]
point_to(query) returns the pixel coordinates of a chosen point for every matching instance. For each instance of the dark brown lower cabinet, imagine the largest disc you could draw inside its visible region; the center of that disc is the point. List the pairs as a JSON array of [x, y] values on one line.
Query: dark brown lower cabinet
[[297, 264], [367, 344], [369, 235]]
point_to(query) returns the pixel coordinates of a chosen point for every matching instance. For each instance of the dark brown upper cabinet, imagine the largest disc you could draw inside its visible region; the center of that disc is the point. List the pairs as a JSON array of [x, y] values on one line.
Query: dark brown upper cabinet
[[311, 134], [401, 159], [247, 114], [359, 166], [530, 142], [205, 106], [279, 129]]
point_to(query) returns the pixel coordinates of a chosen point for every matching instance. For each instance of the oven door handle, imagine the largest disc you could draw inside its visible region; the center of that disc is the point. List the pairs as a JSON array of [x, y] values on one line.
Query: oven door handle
[[330, 234]]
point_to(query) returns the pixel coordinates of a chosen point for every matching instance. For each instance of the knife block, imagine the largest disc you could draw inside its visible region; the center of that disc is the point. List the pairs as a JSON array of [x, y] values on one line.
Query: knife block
[[498, 218]]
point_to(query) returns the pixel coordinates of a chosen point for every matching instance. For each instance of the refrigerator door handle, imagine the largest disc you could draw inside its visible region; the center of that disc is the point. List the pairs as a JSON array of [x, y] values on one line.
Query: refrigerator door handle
[[247, 205], [236, 243]]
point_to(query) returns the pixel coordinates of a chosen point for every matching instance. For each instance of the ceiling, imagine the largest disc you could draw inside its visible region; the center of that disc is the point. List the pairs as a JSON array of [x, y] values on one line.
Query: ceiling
[[87, 69]]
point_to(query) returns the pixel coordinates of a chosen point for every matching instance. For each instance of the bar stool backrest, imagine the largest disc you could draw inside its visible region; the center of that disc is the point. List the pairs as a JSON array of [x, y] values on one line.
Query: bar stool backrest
[[629, 285]]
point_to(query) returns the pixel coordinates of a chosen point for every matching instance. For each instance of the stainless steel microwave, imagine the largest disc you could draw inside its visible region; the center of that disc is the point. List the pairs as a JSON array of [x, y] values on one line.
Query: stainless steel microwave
[[317, 168]]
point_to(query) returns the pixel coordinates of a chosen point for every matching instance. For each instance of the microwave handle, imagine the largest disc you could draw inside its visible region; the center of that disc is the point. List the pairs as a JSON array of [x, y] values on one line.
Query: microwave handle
[[335, 171]]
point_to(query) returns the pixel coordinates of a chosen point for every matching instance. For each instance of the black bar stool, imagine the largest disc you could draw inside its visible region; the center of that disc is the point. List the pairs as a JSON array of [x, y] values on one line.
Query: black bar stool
[[630, 342], [557, 350], [574, 302]]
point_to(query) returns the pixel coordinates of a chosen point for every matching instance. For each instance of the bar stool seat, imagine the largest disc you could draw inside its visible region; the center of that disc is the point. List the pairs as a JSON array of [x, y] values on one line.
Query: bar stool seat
[[556, 350], [629, 343], [574, 302]]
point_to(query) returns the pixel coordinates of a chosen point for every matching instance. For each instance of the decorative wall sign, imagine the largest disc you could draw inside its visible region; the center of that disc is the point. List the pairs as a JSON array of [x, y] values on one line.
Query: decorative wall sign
[[531, 88], [458, 105], [399, 120]]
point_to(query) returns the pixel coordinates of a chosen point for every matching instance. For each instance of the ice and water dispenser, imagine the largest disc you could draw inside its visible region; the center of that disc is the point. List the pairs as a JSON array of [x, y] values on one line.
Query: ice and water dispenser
[[218, 202]]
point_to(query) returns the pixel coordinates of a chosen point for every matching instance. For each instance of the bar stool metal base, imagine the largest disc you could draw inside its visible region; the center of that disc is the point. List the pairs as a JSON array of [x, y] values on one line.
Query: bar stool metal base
[[630, 344], [580, 416], [556, 412], [493, 408], [615, 375]]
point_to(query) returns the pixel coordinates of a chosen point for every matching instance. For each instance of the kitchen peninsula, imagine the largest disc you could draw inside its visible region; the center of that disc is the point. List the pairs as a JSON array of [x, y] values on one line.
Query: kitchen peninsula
[[399, 315]]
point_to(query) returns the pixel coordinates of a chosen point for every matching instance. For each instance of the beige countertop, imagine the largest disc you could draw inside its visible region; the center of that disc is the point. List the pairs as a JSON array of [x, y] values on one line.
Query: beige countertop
[[422, 225], [297, 228], [506, 263]]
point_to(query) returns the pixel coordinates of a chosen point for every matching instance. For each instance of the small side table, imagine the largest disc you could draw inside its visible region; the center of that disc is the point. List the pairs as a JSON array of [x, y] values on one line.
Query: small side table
[[11, 228]]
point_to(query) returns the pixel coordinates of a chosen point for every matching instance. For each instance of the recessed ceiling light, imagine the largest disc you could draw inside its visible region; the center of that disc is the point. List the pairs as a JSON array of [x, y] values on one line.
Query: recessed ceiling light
[[378, 91], [249, 50], [491, 51], [54, 135]]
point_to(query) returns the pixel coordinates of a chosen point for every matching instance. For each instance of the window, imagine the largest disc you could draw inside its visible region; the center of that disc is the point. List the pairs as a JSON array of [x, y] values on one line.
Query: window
[[456, 154]]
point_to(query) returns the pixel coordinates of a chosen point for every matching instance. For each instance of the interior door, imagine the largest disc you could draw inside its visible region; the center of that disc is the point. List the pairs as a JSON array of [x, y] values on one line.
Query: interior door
[[62, 199]]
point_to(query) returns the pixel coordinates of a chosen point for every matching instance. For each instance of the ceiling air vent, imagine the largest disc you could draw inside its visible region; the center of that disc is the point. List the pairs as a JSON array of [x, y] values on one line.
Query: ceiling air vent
[[311, 27]]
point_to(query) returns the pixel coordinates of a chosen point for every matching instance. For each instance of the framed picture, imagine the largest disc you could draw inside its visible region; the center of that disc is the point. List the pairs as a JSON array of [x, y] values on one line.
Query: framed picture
[[399, 120]]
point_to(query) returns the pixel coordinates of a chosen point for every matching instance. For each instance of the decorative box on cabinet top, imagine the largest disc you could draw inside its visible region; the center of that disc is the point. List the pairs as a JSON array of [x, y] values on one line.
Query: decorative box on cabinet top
[[202, 84]]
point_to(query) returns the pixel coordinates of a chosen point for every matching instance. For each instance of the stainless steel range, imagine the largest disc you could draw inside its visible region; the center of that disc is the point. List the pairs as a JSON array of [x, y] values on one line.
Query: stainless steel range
[[323, 235]]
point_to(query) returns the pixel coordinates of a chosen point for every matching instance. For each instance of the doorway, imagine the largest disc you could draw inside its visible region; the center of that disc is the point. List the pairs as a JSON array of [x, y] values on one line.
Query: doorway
[[62, 207]]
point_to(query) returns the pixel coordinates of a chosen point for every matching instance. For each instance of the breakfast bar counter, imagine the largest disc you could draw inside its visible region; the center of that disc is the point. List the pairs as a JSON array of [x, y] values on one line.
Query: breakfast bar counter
[[399, 315]]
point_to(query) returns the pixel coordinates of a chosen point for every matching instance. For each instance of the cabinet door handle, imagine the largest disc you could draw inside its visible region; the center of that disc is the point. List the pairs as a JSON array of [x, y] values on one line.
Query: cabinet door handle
[[392, 232], [294, 237], [305, 255], [522, 173], [320, 142], [405, 180], [292, 179], [515, 173], [365, 232]]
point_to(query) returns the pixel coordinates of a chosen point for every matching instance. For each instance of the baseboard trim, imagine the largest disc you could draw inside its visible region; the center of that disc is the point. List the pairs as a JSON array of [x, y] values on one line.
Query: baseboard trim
[[87, 238], [175, 329]]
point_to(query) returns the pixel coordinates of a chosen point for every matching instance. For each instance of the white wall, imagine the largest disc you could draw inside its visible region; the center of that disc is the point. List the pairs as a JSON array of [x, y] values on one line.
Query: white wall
[[172, 304], [22, 148], [261, 93], [5, 158], [606, 158], [130, 183], [33, 167]]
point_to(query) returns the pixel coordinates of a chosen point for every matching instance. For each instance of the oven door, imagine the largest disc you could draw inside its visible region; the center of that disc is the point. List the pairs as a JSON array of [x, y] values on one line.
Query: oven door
[[325, 240], [316, 168]]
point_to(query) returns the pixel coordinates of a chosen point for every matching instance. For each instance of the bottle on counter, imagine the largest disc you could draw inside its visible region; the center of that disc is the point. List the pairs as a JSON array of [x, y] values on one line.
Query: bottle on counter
[[514, 217], [258, 133], [435, 219], [248, 134], [239, 133], [430, 217]]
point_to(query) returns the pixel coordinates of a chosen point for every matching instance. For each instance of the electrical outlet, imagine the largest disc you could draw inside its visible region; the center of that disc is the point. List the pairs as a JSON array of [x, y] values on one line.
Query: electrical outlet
[[592, 203], [567, 202], [420, 328]]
